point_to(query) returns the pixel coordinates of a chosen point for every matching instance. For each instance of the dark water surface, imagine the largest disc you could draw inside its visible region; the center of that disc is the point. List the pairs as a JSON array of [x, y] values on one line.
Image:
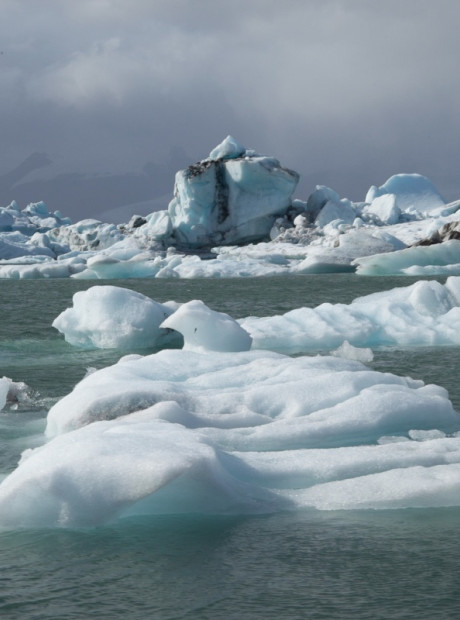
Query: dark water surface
[[357, 565]]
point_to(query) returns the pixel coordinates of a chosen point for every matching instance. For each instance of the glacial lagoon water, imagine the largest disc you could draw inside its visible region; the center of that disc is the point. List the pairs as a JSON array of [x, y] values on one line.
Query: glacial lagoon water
[[369, 564]]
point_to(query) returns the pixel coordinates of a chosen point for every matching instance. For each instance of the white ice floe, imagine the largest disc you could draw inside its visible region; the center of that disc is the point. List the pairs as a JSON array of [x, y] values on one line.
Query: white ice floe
[[246, 432], [204, 329], [412, 193], [349, 352], [439, 259], [12, 393], [112, 317], [425, 313]]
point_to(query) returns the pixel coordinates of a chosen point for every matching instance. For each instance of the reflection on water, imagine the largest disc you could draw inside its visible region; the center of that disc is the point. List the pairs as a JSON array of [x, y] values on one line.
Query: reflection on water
[[401, 564]]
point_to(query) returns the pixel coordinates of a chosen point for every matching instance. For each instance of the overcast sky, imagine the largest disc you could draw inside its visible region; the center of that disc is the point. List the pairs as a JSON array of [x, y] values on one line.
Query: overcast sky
[[111, 97]]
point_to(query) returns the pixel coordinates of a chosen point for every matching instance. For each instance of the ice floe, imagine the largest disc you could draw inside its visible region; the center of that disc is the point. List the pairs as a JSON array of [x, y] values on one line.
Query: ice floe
[[236, 433], [426, 313], [107, 317], [204, 329]]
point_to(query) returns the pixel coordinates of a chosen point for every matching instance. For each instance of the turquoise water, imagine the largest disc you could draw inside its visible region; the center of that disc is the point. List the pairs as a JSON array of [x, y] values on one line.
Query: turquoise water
[[395, 564]]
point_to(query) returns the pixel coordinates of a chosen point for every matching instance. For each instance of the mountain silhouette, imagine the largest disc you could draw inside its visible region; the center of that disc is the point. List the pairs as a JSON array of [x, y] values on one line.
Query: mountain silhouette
[[80, 195]]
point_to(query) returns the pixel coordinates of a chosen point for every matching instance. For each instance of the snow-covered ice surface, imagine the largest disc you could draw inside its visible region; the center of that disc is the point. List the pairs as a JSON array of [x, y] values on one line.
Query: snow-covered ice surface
[[112, 317], [425, 313], [248, 432], [204, 329]]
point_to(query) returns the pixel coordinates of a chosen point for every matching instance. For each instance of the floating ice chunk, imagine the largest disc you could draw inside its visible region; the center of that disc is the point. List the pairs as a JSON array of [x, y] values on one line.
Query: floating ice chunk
[[204, 329], [411, 261], [341, 210], [318, 199], [113, 317], [227, 149], [105, 266], [241, 433], [348, 351], [385, 208], [346, 248], [425, 313], [413, 193], [28, 268], [331, 398], [4, 387], [13, 392], [96, 473]]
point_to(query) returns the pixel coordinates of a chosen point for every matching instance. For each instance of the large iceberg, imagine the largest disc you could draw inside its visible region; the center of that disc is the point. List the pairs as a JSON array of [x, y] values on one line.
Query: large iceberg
[[233, 196], [226, 433]]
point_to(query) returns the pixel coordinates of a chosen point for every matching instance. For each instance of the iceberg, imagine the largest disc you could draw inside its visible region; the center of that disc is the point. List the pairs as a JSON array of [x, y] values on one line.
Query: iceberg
[[235, 433], [385, 208], [232, 197], [426, 313], [411, 193], [108, 317], [13, 393], [204, 329]]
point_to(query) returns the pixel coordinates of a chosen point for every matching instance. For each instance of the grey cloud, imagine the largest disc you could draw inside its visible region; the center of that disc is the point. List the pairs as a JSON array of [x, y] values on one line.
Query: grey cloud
[[346, 92]]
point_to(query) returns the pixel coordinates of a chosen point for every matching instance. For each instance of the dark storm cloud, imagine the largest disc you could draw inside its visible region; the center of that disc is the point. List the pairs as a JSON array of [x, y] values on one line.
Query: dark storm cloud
[[118, 94]]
